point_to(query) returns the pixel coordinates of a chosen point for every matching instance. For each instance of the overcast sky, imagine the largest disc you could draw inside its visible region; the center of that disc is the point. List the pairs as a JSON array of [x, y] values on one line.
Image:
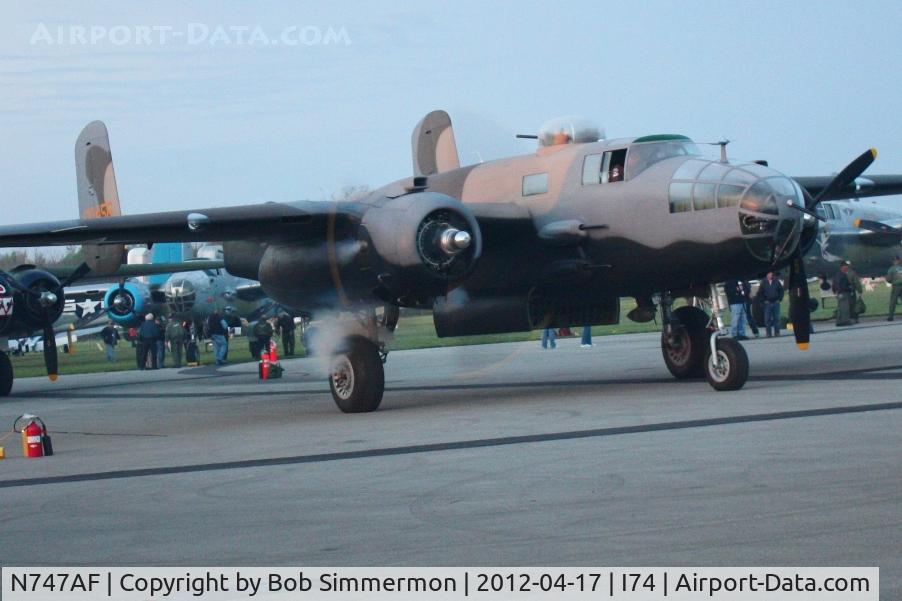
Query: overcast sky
[[212, 112]]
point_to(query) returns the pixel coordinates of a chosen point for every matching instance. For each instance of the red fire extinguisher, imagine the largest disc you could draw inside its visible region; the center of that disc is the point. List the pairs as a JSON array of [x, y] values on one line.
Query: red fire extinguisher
[[35, 439]]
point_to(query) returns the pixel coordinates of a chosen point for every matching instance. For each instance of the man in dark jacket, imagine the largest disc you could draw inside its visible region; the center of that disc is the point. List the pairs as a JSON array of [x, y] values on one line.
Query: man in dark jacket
[[148, 333], [218, 330], [770, 290], [110, 336], [263, 332], [286, 331], [737, 292]]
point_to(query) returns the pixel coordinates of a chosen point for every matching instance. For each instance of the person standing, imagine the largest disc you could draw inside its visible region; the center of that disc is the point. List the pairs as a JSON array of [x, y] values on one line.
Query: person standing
[[218, 331], [161, 343], [263, 331], [175, 339], [548, 338], [737, 291], [286, 331], [110, 336], [894, 277], [147, 343], [856, 304], [749, 315], [771, 292], [842, 288], [586, 341]]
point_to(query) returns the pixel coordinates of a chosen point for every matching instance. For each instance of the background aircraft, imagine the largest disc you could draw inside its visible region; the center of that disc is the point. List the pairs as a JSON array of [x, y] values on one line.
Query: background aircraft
[[33, 299], [843, 237], [548, 239]]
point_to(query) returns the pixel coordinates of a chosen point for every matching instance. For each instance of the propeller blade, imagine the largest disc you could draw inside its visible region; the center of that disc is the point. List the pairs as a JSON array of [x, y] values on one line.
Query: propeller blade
[[51, 360], [845, 177], [76, 275], [876, 226], [799, 302]]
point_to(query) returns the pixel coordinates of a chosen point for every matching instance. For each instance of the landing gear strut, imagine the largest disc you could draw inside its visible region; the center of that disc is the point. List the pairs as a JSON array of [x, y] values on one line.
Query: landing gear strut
[[6, 374]]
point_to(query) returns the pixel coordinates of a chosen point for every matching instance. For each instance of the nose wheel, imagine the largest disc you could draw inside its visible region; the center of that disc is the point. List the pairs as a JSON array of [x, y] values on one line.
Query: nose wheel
[[728, 369]]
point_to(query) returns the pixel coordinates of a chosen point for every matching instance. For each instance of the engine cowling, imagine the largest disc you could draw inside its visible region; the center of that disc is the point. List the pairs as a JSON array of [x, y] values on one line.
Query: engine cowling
[[421, 242], [127, 303], [33, 299]]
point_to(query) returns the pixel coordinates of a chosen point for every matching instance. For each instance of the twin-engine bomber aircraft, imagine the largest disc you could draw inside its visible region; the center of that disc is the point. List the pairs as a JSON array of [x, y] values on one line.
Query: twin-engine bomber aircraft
[[549, 239]]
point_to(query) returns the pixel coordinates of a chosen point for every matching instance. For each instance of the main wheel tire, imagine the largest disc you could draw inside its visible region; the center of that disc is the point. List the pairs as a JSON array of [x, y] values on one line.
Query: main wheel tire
[[357, 378], [732, 369], [686, 358], [6, 375]]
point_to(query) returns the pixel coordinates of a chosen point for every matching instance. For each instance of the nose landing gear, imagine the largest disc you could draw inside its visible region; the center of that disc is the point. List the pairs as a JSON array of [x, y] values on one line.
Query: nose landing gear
[[693, 348]]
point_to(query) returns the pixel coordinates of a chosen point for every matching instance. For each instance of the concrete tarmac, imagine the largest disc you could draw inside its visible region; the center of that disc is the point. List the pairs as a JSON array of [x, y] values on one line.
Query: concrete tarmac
[[485, 455]]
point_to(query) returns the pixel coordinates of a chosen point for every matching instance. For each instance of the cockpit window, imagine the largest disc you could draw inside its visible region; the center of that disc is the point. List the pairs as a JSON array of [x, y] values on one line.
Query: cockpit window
[[643, 155]]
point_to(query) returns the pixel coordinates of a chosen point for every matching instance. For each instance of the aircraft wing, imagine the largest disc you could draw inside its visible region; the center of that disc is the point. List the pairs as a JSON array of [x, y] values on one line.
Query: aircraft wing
[[268, 221], [250, 292], [864, 186], [879, 233], [136, 270]]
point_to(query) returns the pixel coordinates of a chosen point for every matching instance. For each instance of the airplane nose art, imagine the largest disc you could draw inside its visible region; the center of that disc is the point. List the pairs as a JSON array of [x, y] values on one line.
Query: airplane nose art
[[770, 225]]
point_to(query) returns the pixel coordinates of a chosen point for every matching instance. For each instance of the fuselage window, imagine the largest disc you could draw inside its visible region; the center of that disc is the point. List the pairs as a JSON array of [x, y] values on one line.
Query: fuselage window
[[592, 169], [729, 195], [535, 183], [703, 196], [604, 168], [680, 197]]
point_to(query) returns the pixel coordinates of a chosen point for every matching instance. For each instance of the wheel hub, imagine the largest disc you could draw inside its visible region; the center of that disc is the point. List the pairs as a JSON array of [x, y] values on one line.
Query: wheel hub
[[678, 347], [343, 377], [719, 367]]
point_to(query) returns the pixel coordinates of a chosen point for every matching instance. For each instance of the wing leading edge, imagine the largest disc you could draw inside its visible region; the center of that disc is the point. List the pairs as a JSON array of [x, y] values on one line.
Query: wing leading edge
[[268, 221]]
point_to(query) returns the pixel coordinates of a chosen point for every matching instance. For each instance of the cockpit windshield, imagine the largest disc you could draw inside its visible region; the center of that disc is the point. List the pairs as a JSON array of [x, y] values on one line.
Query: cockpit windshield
[[645, 152]]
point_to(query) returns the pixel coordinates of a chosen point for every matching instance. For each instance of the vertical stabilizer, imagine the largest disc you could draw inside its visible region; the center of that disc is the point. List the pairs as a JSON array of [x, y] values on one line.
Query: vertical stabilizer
[[98, 196], [433, 145]]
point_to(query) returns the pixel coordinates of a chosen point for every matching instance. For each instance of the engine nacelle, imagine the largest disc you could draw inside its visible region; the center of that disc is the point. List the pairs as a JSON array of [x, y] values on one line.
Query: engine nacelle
[[404, 251], [125, 305], [419, 243], [32, 300], [242, 258]]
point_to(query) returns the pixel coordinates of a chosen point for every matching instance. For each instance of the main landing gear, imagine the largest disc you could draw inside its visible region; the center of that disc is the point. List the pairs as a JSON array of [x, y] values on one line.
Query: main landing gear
[[6, 374], [356, 374], [356, 377], [693, 348]]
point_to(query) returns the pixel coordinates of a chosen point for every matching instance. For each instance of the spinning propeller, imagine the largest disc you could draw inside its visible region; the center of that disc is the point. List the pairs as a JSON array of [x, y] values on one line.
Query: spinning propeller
[[799, 300], [41, 300]]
